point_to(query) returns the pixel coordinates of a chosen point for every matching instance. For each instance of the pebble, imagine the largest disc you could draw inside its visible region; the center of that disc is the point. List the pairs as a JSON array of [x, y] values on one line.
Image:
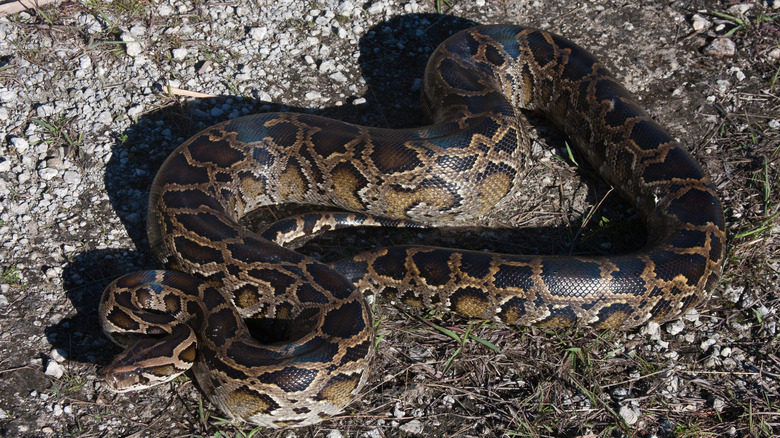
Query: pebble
[[179, 54], [47, 173], [19, 144], [54, 369], [721, 47], [414, 427], [700, 23], [133, 48], [630, 415], [675, 328]]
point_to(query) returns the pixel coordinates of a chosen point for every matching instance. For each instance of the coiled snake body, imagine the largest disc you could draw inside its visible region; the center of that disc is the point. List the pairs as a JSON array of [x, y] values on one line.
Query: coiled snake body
[[456, 168]]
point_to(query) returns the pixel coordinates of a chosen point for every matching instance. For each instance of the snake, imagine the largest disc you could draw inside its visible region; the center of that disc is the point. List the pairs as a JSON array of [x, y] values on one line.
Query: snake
[[278, 339]]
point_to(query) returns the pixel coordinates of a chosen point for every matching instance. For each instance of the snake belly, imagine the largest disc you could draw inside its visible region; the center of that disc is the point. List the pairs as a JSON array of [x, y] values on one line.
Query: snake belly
[[223, 279]]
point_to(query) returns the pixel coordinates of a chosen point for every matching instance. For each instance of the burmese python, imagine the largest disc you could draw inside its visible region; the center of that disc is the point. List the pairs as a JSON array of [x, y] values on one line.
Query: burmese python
[[457, 168]]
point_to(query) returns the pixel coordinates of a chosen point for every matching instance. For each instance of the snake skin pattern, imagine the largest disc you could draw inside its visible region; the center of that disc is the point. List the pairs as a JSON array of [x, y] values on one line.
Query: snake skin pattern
[[224, 280]]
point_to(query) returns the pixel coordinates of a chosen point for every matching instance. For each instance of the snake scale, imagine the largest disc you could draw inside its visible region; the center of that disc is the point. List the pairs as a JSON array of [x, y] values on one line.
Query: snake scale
[[224, 279]]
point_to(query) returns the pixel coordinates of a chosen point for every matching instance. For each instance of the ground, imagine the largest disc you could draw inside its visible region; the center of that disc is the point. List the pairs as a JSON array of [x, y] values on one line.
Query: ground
[[93, 99]]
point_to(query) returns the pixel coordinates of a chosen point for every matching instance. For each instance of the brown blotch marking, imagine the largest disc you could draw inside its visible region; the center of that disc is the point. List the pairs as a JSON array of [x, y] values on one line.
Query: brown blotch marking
[[492, 189], [613, 316], [292, 182], [433, 266], [252, 185], [245, 296], [301, 410], [219, 152], [188, 354], [512, 310], [247, 403], [470, 301], [281, 424], [172, 303], [196, 252], [346, 183], [162, 370], [339, 390], [401, 201], [410, 299], [395, 159], [122, 320]]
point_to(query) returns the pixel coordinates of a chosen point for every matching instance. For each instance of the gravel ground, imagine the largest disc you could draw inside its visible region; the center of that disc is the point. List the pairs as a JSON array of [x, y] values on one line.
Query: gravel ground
[[91, 102]]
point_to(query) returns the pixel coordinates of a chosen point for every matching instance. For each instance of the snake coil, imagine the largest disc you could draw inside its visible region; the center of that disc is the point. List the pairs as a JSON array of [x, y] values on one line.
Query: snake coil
[[221, 275]]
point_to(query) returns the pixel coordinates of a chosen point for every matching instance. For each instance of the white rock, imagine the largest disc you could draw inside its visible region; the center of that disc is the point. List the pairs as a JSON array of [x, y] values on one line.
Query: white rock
[[53, 369], [630, 415], [700, 23], [135, 111], [675, 327], [327, 66], [57, 355], [339, 77], [165, 10], [7, 96], [105, 118], [47, 173], [72, 177], [414, 427], [652, 329], [132, 46], [179, 54], [19, 144], [45, 110], [313, 95], [258, 33]]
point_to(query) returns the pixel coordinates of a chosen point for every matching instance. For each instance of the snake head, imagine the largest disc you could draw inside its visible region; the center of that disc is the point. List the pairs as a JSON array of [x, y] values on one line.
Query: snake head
[[151, 361]]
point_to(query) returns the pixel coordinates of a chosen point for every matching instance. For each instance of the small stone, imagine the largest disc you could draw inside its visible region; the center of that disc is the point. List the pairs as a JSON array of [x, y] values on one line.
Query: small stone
[[47, 173], [164, 10], [135, 111], [706, 344], [414, 427], [327, 66], [675, 327], [45, 110], [722, 47], [258, 33], [313, 95], [630, 415], [53, 369], [179, 54], [105, 118], [7, 96], [652, 329], [132, 46], [19, 144], [72, 177], [700, 23], [339, 77], [376, 8]]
